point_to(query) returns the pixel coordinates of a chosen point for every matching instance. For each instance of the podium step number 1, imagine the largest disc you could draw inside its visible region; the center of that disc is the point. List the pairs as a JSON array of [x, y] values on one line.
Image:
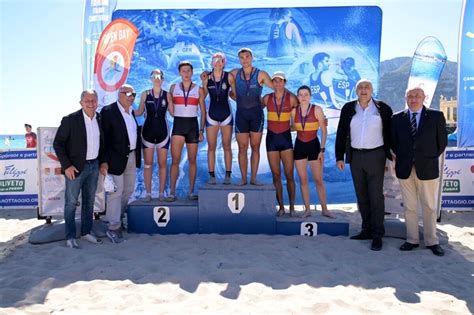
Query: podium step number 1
[[236, 202], [309, 228]]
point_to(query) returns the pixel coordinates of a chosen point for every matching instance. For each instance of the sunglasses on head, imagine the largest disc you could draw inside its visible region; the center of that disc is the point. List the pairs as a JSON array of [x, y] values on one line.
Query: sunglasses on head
[[128, 94], [156, 76]]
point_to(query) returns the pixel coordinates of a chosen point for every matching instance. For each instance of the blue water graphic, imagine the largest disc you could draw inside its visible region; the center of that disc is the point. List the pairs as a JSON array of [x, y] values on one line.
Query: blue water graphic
[[350, 34]]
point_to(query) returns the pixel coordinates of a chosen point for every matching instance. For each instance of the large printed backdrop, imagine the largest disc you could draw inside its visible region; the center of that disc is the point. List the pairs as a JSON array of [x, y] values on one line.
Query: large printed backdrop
[[349, 35]]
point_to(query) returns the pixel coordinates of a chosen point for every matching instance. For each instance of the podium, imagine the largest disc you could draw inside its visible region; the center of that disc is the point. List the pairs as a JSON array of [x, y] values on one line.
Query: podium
[[227, 209], [311, 226], [230, 209], [157, 217]]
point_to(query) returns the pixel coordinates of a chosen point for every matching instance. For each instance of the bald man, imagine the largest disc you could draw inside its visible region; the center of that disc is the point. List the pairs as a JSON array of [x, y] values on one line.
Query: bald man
[[418, 139]]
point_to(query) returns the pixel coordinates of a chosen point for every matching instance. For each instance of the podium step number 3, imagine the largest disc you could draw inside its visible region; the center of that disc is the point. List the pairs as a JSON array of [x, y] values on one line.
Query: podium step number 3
[[236, 202], [161, 215], [309, 229]]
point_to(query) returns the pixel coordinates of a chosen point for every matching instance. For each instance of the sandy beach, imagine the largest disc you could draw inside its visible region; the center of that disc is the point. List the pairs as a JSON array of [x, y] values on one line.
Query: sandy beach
[[238, 274]]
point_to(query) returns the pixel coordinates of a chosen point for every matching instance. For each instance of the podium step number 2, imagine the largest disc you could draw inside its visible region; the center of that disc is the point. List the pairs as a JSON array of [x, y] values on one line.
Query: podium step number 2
[[236, 202], [161, 215], [309, 228]]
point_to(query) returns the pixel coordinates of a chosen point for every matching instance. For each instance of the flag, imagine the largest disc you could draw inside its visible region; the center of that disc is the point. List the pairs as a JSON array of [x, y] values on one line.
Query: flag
[[112, 59], [97, 14], [428, 63], [466, 77]]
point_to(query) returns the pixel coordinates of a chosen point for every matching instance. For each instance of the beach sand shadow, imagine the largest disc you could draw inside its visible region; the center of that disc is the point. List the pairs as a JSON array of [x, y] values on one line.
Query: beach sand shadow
[[28, 273]]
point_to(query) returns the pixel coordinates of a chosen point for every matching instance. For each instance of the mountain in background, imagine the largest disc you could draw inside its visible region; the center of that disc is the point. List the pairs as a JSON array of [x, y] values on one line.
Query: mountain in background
[[394, 79]]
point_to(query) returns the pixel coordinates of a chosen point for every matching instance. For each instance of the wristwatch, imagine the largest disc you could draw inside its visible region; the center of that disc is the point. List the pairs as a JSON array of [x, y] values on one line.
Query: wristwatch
[[323, 150]]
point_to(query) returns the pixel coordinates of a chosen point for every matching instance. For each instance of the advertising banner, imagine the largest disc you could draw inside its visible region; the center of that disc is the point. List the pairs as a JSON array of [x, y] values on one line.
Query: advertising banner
[[97, 14], [326, 48], [52, 182], [466, 77], [458, 180], [18, 180], [457, 189], [112, 59]]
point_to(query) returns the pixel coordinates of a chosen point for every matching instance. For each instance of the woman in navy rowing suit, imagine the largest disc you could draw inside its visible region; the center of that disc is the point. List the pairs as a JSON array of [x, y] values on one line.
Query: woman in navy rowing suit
[[155, 134], [219, 115]]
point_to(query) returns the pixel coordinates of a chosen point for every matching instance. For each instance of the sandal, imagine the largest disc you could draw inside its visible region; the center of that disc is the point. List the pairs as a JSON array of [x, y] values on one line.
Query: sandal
[[170, 198]]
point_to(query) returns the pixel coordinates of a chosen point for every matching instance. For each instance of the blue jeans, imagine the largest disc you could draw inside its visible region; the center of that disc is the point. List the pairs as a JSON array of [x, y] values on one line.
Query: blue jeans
[[86, 182]]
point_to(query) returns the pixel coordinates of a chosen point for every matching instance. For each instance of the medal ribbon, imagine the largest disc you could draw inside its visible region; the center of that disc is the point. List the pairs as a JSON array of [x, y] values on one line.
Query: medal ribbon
[[186, 94], [217, 86], [247, 82], [279, 108], [303, 121], [157, 102]]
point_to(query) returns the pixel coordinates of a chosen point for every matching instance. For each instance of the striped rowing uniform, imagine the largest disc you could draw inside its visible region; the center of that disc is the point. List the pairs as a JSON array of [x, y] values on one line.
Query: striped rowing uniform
[[278, 123], [186, 103]]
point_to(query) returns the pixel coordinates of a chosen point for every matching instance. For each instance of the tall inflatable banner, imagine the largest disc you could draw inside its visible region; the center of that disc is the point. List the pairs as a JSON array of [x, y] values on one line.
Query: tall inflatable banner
[[428, 63], [97, 14], [113, 58], [466, 77]]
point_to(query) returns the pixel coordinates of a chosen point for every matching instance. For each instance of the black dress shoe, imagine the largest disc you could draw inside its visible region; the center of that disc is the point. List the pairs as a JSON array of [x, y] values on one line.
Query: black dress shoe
[[376, 244], [362, 236], [408, 246], [436, 249]]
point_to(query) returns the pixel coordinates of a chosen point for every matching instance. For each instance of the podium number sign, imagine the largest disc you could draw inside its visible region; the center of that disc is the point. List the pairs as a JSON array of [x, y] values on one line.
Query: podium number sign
[[161, 215], [236, 202], [309, 228]]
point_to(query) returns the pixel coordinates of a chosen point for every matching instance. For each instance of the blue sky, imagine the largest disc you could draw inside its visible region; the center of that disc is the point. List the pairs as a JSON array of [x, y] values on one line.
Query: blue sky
[[40, 46]]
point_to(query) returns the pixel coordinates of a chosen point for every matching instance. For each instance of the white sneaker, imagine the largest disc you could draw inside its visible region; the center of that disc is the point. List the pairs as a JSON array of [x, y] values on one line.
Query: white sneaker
[[92, 239], [72, 243]]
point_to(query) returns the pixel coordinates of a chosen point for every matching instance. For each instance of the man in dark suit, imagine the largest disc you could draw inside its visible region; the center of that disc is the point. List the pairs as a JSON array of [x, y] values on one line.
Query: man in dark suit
[[79, 146], [122, 156], [363, 136], [418, 139]]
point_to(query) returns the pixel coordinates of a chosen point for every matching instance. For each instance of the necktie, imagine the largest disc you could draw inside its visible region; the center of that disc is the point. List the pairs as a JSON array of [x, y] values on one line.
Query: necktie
[[413, 124]]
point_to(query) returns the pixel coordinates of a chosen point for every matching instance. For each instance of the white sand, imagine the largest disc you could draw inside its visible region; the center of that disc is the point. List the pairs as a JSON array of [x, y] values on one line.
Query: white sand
[[235, 273]]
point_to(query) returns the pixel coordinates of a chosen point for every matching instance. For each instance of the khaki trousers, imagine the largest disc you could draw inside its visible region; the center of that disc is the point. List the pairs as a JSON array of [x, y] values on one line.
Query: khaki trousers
[[426, 190]]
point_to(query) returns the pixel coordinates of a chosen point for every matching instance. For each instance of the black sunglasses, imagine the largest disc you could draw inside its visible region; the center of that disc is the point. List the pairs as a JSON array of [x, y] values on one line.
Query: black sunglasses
[[129, 94]]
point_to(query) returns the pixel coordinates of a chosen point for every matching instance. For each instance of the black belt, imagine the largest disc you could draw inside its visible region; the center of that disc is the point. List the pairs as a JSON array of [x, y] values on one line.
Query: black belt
[[91, 161], [131, 151], [366, 150]]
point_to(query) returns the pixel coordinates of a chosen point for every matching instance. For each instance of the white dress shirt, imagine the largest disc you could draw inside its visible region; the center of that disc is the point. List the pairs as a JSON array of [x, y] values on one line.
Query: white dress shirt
[[93, 136], [131, 126], [366, 127]]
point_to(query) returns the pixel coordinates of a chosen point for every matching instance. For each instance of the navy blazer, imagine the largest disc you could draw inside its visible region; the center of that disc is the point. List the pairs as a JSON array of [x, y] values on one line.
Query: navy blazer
[[343, 135], [70, 142], [424, 150], [117, 145]]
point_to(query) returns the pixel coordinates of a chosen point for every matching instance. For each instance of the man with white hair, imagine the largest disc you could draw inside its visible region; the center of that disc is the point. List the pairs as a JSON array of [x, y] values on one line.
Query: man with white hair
[[418, 139], [122, 156], [363, 136]]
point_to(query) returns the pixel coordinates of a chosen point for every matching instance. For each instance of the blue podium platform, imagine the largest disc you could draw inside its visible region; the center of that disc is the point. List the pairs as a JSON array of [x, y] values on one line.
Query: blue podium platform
[[157, 217], [232, 209], [311, 226], [227, 209]]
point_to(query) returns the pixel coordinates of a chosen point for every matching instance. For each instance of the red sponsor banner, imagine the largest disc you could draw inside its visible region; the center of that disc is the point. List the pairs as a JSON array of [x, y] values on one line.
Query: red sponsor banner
[[112, 59]]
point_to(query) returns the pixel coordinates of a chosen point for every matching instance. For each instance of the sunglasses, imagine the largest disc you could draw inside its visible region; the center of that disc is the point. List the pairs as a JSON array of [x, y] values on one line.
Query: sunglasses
[[128, 94], [156, 76]]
